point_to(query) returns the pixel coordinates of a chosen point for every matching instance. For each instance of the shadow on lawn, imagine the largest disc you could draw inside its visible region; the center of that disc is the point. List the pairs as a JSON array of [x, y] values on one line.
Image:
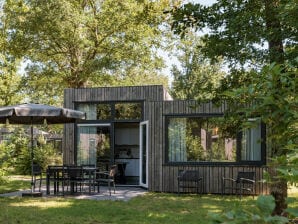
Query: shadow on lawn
[[151, 208]]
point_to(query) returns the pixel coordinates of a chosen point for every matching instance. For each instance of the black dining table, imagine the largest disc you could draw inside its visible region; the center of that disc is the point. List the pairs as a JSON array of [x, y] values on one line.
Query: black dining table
[[59, 176]]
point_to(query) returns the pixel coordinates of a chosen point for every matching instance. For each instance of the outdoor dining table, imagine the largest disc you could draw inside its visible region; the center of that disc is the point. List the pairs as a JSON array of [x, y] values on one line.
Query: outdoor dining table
[[60, 175]]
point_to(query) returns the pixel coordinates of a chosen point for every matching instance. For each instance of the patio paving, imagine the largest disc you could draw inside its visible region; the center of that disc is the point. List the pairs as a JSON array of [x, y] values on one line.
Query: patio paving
[[122, 193]]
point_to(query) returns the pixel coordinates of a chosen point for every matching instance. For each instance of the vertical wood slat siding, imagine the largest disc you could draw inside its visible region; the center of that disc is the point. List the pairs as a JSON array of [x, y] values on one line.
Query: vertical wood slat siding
[[103, 94], [162, 177], [212, 177], [152, 93], [212, 174], [67, 143]]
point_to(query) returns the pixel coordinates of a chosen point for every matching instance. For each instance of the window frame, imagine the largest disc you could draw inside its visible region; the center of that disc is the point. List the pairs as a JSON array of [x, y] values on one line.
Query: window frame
[[113, 110], [238, 144]]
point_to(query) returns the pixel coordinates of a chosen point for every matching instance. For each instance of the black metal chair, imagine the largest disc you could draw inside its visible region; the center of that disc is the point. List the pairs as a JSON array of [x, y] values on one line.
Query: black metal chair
[[188, 179], [74, 178], [107, 178], [37, 175], [56, 175], [88, 175], [245, 181]]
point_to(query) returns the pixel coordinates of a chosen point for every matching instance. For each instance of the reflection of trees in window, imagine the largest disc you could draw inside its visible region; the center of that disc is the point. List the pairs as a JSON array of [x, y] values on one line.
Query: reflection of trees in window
[[103, 146], [195, 151], [103, 112], [128, 111], [201, 139]]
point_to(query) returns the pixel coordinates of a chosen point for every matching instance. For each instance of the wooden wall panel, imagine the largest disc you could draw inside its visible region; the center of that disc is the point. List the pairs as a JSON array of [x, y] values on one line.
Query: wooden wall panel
[[162, 176], [212, 177], [212, 174], [149, 93]]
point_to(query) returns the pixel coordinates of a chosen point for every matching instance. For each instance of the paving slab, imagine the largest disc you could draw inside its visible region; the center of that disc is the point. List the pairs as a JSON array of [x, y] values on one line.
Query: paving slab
[[122, 193]]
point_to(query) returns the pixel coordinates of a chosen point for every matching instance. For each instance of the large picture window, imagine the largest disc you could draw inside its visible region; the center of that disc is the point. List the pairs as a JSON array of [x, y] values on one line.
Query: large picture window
[[211, 139]]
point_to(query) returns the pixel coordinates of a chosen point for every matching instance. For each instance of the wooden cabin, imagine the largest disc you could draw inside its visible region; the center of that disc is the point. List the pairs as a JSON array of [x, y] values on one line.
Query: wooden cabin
[[152, 137]]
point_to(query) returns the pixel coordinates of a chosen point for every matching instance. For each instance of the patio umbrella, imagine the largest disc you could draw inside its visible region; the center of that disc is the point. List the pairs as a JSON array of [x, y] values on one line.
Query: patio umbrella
[[30, 114]]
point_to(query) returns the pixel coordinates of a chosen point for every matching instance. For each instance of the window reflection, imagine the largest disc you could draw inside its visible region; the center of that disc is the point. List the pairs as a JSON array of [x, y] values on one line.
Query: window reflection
[[125, 111], [200, 139]]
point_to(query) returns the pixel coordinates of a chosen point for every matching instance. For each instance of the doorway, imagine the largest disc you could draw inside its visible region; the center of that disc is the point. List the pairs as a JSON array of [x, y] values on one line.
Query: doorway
[[94, 145], [122, 143], [126, 152]]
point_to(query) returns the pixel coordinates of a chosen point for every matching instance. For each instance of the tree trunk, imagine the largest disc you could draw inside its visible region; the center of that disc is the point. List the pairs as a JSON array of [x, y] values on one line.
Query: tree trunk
[[278, 186], [279, 190]]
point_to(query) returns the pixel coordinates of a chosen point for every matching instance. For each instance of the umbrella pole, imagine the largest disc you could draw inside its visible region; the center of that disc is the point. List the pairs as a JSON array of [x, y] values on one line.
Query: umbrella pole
[[32, 156], [32, 193]]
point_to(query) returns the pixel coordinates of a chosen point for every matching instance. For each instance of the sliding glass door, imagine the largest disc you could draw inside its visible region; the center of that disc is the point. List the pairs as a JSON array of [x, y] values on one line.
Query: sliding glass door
[[93, 144]]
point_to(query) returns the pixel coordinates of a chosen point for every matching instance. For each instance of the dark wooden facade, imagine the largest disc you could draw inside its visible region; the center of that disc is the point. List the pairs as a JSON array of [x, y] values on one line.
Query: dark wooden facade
[[157, 105]]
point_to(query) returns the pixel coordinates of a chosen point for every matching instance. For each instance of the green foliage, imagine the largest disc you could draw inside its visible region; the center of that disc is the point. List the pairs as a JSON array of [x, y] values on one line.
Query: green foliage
[[249, 35], [244, 33], [85, 43], [262, 214], [272, 96], [2, 164], [197, 78], [16, 153], [10, 82]]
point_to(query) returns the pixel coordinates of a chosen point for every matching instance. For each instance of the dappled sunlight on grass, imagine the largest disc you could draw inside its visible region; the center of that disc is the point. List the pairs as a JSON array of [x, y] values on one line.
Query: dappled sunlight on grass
[[156, 215], [151, 208], [42, 204], [14, 184], [19, 177]]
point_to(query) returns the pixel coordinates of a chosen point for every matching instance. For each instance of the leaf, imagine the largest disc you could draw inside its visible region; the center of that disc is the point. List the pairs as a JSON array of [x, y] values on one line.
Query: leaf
[[292, 211], [276, 219], [266, 203]]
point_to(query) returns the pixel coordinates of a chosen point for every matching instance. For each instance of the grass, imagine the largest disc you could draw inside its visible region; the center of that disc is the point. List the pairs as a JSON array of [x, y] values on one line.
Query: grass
[[152, 208], [15, 183]]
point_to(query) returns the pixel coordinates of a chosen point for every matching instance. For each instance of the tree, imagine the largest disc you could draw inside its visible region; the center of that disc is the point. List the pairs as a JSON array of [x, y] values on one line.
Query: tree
[[245, 33], [72, 43], [10, 81], [250, 34], [197, 78]]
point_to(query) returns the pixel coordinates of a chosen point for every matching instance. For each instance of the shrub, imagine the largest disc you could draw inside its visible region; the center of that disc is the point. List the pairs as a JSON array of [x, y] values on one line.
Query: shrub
[[265, 204]]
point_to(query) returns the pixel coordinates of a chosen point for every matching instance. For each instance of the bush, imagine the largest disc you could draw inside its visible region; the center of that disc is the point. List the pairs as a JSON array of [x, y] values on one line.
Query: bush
[[16, 153], [262, 214]]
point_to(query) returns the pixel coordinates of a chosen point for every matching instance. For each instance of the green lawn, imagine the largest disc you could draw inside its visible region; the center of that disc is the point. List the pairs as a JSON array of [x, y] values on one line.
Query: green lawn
[[151, 208], [15, 183]]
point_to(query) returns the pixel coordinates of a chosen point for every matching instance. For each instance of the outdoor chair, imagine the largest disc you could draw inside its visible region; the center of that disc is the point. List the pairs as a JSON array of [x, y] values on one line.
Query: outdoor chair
[[55, 174], [88, 175], [74, 178], [245, 181], [37, 176], [107, 177], [188, 179]]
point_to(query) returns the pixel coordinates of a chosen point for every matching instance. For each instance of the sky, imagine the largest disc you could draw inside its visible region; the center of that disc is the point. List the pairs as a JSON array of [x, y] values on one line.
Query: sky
[[172, 60], [203, 2]]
